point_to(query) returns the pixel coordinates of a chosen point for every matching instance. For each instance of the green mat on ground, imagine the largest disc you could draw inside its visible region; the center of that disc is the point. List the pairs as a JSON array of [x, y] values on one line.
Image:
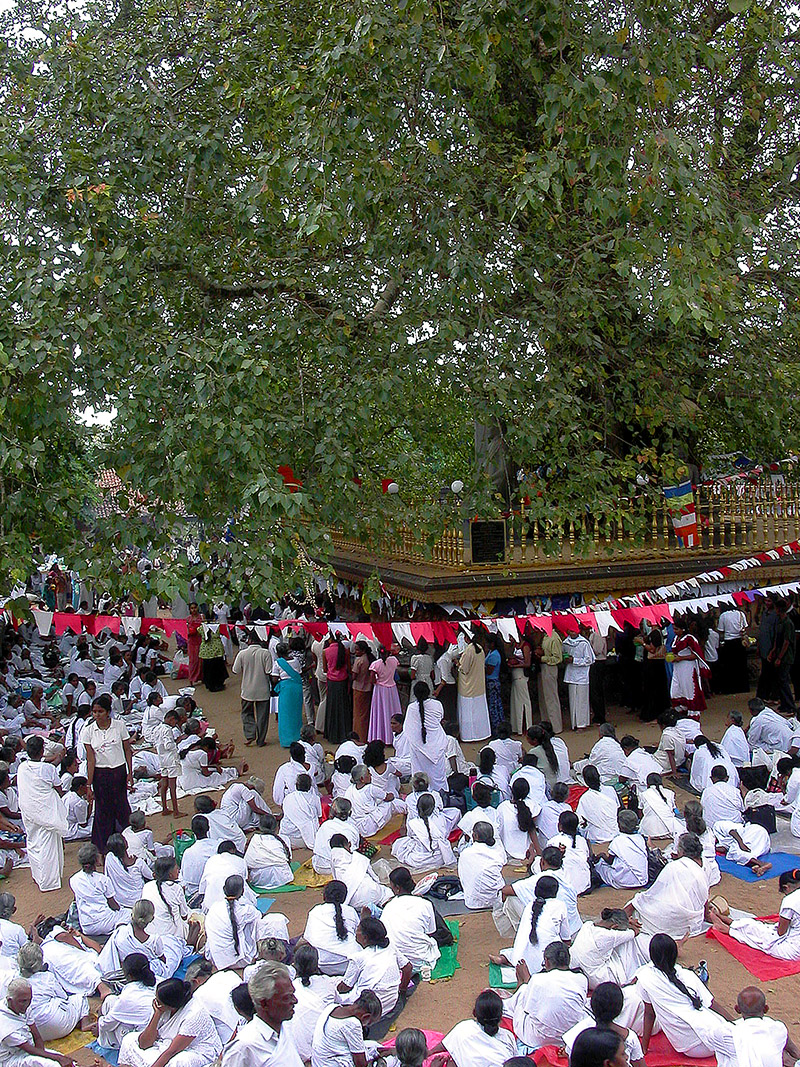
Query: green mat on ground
[[496, 978], [292, 887], [447, 964]]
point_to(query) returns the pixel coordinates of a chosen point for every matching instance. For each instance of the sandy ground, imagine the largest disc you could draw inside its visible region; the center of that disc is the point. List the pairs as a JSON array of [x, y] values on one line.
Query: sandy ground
[[440, 1005]]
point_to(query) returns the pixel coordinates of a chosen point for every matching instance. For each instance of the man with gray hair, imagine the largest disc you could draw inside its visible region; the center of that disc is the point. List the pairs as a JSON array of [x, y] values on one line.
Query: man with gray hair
[[21, 1044], [266, 1040], [480, 868], [734, 740]]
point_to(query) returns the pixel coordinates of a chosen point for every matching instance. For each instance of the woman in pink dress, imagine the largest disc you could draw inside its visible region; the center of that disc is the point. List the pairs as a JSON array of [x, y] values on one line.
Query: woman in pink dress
[[688, 670], [338, 707], [194, 639], [385, 698]]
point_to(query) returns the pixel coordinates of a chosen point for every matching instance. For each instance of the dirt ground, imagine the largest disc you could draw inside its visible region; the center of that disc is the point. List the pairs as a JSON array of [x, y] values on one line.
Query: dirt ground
[[440, 1005]]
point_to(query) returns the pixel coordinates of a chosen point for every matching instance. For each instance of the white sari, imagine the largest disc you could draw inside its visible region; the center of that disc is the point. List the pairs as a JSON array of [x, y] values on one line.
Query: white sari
[[675, 903], [658, 814]]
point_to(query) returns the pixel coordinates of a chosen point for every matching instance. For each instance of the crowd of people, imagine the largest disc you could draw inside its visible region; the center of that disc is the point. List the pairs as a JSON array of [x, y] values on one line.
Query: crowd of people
[[166, 954]]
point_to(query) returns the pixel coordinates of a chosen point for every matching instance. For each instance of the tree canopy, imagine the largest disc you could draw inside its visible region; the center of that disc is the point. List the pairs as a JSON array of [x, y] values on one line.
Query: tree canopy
[[333, 237]]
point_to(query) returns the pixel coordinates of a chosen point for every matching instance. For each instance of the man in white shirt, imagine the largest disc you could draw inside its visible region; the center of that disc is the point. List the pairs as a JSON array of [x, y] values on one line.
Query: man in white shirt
[[759, 1039], [722, 802], [624, 865], [254, 663], [579, 657], [768, 729], [266, 1041], [480, 868], [732, 626]]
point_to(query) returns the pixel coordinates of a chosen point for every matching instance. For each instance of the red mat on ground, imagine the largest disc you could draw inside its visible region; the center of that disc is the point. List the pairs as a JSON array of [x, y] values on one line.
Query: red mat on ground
[[757, 962], [660, 1054], [391, 838]]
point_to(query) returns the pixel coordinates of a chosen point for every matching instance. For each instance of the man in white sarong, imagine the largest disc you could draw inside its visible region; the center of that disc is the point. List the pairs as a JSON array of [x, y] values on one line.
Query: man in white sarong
[[677, 902], [625, 865], [44, 816]]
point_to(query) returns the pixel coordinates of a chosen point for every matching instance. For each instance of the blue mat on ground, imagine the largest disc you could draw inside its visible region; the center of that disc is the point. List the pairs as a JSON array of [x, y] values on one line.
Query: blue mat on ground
[[110, 1055], [181, 971], [781, 861], [264, 904]]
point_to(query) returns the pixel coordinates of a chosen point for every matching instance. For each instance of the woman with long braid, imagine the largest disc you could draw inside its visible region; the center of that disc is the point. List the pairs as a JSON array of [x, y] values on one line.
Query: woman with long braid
[[516, 827], [658, 808], [234, 927], [691, 1019], [331, 928], [425, 846], [167, 896], [543, 921], [425, 736]]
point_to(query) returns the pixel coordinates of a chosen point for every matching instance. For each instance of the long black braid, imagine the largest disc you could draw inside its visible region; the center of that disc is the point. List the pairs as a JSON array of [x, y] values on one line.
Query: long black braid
[[268, 824], [422, 692], [520, 789], [336, 893], [546, 889], [233, 889], [162, 869], [664, 956]]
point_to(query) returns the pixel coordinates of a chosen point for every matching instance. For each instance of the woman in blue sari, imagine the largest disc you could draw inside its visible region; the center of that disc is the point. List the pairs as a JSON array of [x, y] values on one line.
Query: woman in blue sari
[[290, 696]]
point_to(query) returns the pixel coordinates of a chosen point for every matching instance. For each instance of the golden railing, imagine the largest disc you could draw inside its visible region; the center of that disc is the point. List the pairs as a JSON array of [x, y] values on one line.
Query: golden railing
[[733, 520]]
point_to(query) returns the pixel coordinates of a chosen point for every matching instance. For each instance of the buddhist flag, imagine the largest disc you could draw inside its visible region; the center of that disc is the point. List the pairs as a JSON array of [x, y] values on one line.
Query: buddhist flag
[[680, 504]]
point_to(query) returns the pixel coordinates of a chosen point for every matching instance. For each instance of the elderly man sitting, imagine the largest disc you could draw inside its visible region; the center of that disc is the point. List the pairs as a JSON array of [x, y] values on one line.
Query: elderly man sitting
[[266, 1041], [20, 1043]]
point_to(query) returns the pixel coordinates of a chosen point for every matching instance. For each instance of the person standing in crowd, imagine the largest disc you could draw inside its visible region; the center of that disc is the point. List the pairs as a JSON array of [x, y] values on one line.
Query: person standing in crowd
[[44, 816], [290, 696], [767, 632], [338, 710], [597, 675], [782, 658], [689, 667], [212, 657], [362, 689], [445, 689], [421, 665], [194, 639], [473, 711], [254, 663], [732, 628], [655, 696], [579, 658], [520, 664], [321, 678], [552, 653], [495, 658], [109, 770], [385, 698]]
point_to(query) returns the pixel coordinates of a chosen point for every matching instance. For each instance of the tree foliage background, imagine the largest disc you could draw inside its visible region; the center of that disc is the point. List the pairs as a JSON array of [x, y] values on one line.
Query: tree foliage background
[[335, 236]]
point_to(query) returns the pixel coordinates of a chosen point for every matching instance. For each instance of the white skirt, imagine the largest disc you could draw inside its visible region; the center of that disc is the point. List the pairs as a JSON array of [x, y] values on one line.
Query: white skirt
[[473, 718]]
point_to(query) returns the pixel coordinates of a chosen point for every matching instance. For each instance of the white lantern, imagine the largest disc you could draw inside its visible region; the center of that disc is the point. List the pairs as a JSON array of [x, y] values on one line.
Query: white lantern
[[457, 486], [393, 488]]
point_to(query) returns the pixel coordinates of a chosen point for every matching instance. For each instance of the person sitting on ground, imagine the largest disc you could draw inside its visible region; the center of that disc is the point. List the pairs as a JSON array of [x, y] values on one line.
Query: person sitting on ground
[[411, 923], [219, 867], [657, 803], [745, 844], [302, 814], [481, 812], [331, 929], [606, 949], [177, 1026], [243, 802], [625, 864], [516, 821], [98, 911], [131, 1008], [575, 851], [266, 1039], [480, 1040], [21, 1045], [193, 860], [128, 875], [364, 887], [552, 809], [677, 902], [234, 927], [268, 856], [55, 1012], [543, 921], [287, 774], [379, 967], [755, 1033], [372, 807], [734, 740], [781, 939], [480, 868], [165, 954], [339, 821], [220, 826], [426, 845], [639, 763], [507, 913], [607, 754], [597, 807], [547, 1004], [607, 1004], [721, 801], [339, 1033], [172, 914]]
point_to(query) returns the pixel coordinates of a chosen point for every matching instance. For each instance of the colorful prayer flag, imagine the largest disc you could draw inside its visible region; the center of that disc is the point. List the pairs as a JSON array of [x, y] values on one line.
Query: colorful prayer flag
[[680, 504]]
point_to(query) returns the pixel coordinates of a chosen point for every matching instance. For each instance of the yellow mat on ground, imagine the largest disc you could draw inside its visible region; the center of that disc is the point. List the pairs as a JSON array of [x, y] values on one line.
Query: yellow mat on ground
[[393, 825], [307, 876], [77, 1039]]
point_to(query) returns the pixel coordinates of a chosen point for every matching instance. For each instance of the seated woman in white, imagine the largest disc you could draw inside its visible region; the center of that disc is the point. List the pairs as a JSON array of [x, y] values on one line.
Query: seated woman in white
[[480, 1041], [179, 1032], [339, 822], [721, 800], [482, 812], [493, 773], [480, 868], [234, 927], [315, 993], [212, 990], [410, 922], [244, 802], [607, 1004], [168, 898], [694, 823], [98, 911], [420, 784], [331, 929], [658, 809], [372, 806], [625, 865], [55, 1012], [543, 921], [302, 814], [516, 825], [607, 950], [546, 1004], [74, 959], [708, 755], [195, 774], [683, 1007], [131, 1008], [127, 874], [575, 851], [165, 955], [425, 846], [364, 888], [12, 935], [552, 810], [677, 902], [218, 869], [268, 857], [597, 807], [781, 939], [342, 769], [744, 843], [379, 967], [339, 1034]]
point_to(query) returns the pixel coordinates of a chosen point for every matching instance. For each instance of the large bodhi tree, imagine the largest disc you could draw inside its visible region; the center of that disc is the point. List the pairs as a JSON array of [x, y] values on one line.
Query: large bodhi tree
[[335, 236]]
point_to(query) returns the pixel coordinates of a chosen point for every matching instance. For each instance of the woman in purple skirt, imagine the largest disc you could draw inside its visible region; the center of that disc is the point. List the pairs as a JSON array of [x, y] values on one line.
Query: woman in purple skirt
[[385, 698]]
